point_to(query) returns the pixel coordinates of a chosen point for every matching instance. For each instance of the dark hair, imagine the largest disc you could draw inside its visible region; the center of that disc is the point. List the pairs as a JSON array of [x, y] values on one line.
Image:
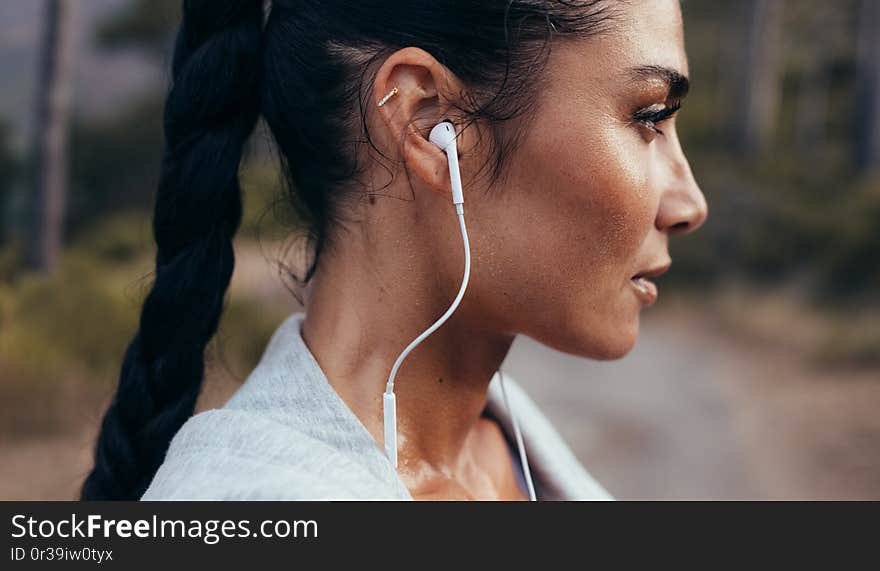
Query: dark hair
[[304, 70]]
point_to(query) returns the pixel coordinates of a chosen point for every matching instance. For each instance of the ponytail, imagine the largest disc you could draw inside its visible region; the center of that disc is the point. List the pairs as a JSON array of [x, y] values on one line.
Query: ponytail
[[210, 111]]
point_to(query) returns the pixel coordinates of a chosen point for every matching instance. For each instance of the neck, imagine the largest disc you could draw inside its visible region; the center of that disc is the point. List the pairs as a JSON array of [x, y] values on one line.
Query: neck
[[361, 315]]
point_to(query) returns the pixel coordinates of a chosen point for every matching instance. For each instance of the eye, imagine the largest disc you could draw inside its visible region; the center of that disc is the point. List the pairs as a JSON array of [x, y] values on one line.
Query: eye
[[652, 116]]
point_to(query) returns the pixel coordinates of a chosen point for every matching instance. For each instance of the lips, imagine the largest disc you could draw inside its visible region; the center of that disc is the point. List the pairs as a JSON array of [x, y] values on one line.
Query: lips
[[645, 289]]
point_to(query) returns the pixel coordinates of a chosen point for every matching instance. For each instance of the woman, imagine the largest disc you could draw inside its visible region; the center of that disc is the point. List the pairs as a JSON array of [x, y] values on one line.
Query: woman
[[574, 179]]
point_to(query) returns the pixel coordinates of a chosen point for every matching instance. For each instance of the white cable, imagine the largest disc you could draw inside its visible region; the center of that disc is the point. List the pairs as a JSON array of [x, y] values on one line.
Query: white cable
[[389, 402], [519, 441]]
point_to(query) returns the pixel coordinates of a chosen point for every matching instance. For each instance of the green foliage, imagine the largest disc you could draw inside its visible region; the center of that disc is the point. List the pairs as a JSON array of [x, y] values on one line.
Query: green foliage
[[268, 213], [144, 24], [121, 238], [853, 342], [850, 259], [115, 163], [75, 322], [799, 210], [11, 260], [9, 170]]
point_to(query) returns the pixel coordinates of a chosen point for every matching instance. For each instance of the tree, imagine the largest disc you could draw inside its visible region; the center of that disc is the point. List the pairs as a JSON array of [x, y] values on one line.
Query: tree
[[8, 175], [115, 159], [50, 136], [867, 128], [813, 48], [144, 24], [757, 75]]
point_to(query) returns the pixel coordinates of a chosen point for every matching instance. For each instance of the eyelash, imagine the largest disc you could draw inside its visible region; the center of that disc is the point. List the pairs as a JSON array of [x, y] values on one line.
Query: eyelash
[[651, 119]]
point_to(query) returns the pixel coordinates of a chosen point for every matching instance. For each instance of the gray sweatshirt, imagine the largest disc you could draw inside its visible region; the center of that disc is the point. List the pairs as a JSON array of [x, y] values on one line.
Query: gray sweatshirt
[[286, 434]]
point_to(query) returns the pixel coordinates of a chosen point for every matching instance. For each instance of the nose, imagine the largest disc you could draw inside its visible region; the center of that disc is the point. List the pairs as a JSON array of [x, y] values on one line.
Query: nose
[[683, 207]]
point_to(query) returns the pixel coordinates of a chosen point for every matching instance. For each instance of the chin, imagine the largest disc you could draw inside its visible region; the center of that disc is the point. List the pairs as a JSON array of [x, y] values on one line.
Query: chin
[[602, 341], [616, 349]]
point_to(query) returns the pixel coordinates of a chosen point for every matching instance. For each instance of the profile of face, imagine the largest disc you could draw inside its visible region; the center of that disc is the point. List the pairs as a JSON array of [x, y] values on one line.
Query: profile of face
[[592, 193], [599, 185]]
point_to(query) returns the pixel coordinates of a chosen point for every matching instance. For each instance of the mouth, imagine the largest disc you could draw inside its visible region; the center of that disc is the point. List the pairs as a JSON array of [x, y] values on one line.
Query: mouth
[[645, 289]]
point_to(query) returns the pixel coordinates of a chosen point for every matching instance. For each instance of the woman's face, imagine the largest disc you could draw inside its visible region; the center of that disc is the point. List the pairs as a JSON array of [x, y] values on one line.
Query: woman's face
[[594, 190]]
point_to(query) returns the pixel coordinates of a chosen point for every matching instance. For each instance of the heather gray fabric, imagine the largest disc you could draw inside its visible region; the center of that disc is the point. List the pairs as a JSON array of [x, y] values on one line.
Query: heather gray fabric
[[287, 434]]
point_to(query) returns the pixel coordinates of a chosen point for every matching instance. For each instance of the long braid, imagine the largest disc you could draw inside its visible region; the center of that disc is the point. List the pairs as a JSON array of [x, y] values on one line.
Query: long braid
[[210, 112]]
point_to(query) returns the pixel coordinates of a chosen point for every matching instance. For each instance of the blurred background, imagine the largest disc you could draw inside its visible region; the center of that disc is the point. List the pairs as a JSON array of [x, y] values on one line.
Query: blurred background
[[756, 376]]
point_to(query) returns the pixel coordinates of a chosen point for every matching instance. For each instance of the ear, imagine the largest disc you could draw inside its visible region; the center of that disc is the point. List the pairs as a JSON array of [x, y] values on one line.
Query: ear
[[425, 87]]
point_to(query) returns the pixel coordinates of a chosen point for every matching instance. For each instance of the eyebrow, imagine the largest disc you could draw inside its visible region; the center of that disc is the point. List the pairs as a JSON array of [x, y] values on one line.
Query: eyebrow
[[677, 83]]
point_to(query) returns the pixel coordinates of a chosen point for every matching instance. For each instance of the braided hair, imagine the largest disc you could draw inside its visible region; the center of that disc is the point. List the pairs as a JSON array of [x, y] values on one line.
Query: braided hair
[[210, 111]]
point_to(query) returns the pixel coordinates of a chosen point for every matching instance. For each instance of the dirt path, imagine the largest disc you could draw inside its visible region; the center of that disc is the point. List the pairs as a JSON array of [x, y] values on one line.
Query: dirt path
[[692, 413], [49, 467]]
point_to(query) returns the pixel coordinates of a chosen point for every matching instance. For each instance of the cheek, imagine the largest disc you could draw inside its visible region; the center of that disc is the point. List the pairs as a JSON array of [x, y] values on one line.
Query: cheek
[[574, 214], [607, 204], [595, 194]]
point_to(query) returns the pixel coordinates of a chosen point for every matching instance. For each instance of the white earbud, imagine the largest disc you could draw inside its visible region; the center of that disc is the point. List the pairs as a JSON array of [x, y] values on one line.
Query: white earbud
[[443, 135]]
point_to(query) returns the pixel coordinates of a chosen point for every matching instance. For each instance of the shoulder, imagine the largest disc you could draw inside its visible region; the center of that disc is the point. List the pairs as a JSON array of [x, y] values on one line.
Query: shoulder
[[229, 454]]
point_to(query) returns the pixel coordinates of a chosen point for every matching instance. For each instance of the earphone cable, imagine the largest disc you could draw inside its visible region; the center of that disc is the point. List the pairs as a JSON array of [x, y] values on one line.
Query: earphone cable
[[388, 399], [459, 208], [524, 461]]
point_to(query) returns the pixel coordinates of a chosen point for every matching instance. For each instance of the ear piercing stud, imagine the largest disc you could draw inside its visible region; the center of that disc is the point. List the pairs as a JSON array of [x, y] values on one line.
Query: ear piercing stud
[[390, 94]]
